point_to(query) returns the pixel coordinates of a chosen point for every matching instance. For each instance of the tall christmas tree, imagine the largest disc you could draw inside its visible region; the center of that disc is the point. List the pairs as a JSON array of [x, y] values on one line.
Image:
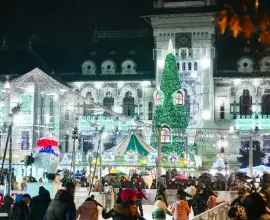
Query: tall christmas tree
[[168, 112]]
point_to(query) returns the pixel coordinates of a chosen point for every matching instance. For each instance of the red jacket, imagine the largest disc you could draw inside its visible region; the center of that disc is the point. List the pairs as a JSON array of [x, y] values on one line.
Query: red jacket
[[140, 195]]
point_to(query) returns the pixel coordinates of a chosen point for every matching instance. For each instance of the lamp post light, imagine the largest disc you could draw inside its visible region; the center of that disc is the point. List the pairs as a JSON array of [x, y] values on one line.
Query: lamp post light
[[74, 137]]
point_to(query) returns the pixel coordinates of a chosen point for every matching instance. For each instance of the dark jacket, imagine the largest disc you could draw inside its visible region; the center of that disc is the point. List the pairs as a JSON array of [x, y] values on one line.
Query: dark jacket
[[19, 211], [200, 202], [39, 206], [120, 213], [183, 193], [61, 207]]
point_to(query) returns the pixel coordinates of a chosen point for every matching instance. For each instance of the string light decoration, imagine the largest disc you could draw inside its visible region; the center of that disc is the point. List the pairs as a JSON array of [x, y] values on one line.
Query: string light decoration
[[108, 156], [250, 21], [175, 117], [153, 157], [78, 157], [131, 156], [173, 157], [45, 84]]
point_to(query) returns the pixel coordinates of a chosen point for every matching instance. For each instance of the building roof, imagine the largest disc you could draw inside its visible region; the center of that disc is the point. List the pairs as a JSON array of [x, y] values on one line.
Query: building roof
[[66, 61], [229, 50]]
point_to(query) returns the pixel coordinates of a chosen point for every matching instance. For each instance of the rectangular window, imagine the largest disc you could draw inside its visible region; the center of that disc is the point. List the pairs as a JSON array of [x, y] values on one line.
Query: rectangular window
[[24, 140], [52, 109], [222, 110]]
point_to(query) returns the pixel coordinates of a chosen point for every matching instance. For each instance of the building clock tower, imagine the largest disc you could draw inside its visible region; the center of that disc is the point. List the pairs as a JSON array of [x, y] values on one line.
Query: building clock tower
[[189, 26]]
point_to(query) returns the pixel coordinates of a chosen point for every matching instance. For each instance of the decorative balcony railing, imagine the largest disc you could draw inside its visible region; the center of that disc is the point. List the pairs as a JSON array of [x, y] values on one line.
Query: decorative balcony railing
[[253, 121], [186, 53]]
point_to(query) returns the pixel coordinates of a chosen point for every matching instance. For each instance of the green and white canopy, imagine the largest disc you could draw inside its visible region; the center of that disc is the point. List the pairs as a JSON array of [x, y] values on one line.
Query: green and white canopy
[[132, 143]]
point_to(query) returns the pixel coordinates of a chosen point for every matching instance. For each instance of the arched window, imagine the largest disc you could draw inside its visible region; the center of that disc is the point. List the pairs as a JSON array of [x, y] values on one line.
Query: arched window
[[89, 98], [178, 66], [158, 98], [165, 134], [129, 105], [87, 104], [195, 66], [179, 99], [245, 103], [150, 110], [108, 101], [266, 104], [183, 66], [187, 101], [189, 66]]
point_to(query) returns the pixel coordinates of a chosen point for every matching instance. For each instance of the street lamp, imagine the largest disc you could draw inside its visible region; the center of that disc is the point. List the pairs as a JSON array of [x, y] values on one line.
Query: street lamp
[[74, 137]]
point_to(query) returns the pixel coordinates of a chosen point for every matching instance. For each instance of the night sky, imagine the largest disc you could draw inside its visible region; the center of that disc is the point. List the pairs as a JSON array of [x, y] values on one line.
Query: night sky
[[66, 21]]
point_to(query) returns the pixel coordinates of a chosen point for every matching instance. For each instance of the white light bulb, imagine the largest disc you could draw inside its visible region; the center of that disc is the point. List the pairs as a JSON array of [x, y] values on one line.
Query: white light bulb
[[205, 63], [160, 64], [206, 115]]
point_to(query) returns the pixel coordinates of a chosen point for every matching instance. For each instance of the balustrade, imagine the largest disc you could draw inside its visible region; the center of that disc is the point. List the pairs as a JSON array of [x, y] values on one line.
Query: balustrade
[[219, 212]]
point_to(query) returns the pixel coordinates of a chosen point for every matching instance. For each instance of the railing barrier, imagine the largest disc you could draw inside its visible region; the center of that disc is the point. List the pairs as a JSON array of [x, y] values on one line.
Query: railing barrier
[[219, 212]]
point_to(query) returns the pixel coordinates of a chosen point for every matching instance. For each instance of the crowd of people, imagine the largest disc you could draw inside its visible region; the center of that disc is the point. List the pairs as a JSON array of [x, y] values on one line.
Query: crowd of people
[[252, 202], [199, 198]]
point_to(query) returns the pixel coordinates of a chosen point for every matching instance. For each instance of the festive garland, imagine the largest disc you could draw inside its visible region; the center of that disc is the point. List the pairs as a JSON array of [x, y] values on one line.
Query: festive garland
[[108, 156]]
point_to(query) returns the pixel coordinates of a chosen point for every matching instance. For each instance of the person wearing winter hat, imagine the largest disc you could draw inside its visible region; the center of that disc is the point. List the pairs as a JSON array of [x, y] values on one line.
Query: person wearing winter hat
[[126, 209]]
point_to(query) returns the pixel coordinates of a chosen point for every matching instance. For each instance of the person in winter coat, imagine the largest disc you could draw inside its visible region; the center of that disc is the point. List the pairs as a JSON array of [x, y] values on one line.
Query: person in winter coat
[[92, 198], [180, 209], [118, 196], [181, 192], [257, 209], [200, 201], [62, 207], [126, 209], [160, 210], [20, 210], [87, 211], [161, 192], [8, 200], [108, 190], [140, 197], [39, 204]]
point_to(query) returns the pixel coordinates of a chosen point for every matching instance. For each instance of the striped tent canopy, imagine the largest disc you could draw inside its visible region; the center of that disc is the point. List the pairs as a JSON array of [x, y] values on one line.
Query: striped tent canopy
[[132, 143]]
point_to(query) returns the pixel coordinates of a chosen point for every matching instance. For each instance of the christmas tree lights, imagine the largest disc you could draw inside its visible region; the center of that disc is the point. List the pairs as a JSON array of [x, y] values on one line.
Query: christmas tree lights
[[168, 113]]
